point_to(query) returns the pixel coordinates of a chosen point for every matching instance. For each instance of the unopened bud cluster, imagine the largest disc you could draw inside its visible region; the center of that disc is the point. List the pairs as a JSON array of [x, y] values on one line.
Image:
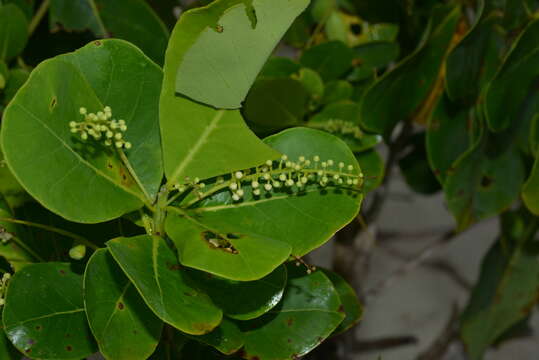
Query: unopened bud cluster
[[5, 236], [338, 126], [101, 127], [3, 287]]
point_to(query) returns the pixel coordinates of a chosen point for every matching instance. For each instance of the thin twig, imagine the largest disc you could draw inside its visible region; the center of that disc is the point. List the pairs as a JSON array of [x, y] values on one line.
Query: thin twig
[[79, 239], [38, 16], [412, 264]]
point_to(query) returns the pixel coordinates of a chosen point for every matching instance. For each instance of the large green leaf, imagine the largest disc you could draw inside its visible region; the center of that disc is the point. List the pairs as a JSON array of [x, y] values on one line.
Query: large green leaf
[[399, 92], [44, 313], [211, 70], [13, 31], [514, 88], [125, 328], [95, 185], [154, 270], [244, 300], [505, 294], [530, 191], [485, 182], [131, 20], [256, 256], [198, 140], [308, 313], [303, 218]]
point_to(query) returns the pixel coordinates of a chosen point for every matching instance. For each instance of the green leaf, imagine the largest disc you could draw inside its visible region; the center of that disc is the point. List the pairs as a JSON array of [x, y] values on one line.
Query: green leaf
[[131, 20], [279, 67], [485, 182], [276, 104], [210, 70], [27, 6], [227, 337], [96, 186], [376, 54], [13, 31], [10, 249], [308, 313], [338, 90], [193, 133], [44, 313], [415, 167], [301, 219], [10, 189], [244, 300], [312, 82], [330, 59], [373, 167], [256, 256], [530, 191], [514, 88], [154, 270], [450, 133], [125, 328], [534, 136], [505, 294], [399, 92], [342, 120], [473, 61], [17, 78], [350, 304]]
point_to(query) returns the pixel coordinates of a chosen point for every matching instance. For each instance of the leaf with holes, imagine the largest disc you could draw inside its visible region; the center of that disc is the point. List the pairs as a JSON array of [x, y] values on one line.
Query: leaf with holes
[[194, 133], [95, 185], [131, 20], [302, 217], [44, 313], [13, 31], [125, 328], [400, 92], [253, 257], [310, 307], [211, 70], [244, 300], [154, 270]]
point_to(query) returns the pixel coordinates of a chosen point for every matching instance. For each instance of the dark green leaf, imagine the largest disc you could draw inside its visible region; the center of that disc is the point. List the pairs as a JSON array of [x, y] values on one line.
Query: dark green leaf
[[312, 82], [125, 328], [44, 313], [95, 185], [376, 54], [13, 31], [154, 270], [399, 92], [350, 304], [335, 91], [514, 88], [330, 59], [373, 167], [17, 78], [279, 67], [415, 167], [308, 313], [227, 337], [276, 104], [27, 6], [210, 70], [10, 236], [131, 20], [244, 300], [530, 191]]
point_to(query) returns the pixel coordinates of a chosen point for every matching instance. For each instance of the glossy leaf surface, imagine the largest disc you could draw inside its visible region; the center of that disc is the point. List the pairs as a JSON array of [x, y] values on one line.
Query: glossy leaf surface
[[124, 327], [13, 31], [154, 270], [44, 313]]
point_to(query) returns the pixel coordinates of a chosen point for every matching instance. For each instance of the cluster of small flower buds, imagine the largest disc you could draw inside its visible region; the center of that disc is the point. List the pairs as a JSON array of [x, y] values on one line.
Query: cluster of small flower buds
[[5, 236], [285, 173], [343, 127], [300, 261], [101, 126], [3, 287]]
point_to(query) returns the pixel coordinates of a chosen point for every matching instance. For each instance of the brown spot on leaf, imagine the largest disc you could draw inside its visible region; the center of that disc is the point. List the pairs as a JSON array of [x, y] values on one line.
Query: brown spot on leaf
[[97, 43], [174, 267], [289, 341], [62, 272], [54, 102], [254, 358], [38, 327], [219, 28], [69, 348], [121, 306], [28, 351], [341, 309], [289, 322], [67, 335], [486, 181]]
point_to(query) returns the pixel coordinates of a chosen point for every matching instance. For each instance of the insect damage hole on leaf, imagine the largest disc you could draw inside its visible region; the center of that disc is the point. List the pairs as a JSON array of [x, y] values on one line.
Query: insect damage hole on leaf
[[216, 241]]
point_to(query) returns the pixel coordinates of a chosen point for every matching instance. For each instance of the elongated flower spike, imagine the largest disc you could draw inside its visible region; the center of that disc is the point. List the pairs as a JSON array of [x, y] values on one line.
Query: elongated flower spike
[[101, 127]]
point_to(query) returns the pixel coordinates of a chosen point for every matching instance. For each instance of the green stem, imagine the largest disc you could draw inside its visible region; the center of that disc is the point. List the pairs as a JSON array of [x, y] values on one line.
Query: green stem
[[38, 16], [79, 239], [26, 248], [160, 212]]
